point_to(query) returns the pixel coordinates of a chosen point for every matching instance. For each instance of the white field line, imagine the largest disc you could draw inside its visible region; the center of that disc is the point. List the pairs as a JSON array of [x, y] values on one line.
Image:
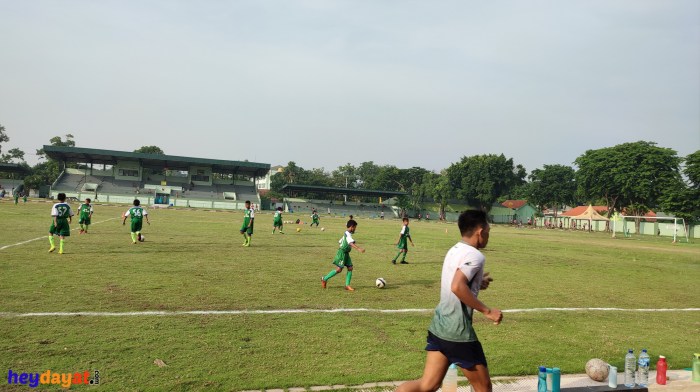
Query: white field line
[[46, 236], [296, 311]]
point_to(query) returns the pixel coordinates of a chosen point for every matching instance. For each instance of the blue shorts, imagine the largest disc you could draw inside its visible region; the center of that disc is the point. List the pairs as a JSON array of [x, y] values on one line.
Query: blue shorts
[[465, 354]]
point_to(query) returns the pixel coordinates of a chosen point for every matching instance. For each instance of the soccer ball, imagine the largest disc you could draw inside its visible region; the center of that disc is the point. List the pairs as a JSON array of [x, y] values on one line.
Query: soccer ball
[[597, 369], [323, 229], [298, 229], [143, 238], [381, 283]]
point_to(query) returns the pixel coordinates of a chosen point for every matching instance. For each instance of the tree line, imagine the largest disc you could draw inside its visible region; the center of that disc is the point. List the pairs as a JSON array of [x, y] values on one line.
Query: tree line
[[632, 177]]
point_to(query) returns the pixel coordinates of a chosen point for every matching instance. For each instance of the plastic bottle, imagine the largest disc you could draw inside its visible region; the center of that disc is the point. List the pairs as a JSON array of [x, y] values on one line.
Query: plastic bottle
[[542, 379], [643, 366], [556, 379], [630, 367], [696, 367], [449, 383], [612, 377], [661, 368]]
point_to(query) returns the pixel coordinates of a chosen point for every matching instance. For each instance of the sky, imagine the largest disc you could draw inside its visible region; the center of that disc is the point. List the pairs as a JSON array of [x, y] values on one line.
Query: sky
[[324, 83]]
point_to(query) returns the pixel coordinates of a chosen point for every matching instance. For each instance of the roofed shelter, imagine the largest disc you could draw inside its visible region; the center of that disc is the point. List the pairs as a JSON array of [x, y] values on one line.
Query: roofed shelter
[[590, 215], [166, 179], [295, 190]]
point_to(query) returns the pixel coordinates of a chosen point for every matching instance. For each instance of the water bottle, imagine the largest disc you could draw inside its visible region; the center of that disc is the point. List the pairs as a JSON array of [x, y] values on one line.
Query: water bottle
[[542, 379], [696, 367], [612, 377], [556, 379], [630, 367], [449, 383], [643, 366], [661, 368]]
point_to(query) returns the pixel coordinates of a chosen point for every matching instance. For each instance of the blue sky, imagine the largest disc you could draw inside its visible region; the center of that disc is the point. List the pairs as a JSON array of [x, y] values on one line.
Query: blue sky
[[323, 83]]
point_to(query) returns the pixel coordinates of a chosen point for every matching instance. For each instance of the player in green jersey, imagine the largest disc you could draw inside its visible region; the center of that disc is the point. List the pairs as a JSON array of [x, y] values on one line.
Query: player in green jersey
[[85, 216], [136, 213], [342, 257], [16, 195], [248, 220], [402, 243], [277, 221], [314, 218], [60, 225], [24, 197]]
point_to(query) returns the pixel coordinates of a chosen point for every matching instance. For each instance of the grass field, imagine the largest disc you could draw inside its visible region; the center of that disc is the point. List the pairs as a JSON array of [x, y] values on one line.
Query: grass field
[[193, 260]]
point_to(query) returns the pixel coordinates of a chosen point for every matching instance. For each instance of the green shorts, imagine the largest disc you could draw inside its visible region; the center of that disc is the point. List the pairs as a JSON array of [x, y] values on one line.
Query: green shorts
[[62, 228], [277, 224], [247, 229], [342, 259], [84, 221], [136, 226]]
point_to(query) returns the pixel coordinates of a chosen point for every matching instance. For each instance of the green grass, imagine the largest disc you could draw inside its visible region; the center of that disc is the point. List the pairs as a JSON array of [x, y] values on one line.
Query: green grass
[[193, 260]]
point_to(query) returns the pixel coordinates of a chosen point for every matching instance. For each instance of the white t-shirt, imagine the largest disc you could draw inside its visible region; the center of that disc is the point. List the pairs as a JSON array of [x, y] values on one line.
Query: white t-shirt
[[453, 319]]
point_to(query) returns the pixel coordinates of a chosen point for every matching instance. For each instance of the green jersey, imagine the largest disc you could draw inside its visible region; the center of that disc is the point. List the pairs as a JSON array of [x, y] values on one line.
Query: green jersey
[[61, 212], [314, 217], [84, 211], [342, 256], [278, 217], [403, 240], [136, 213], [248, 221]]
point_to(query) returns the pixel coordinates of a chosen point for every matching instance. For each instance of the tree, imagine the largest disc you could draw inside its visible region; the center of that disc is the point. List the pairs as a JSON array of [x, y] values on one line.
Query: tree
[[552, 186], [3, 137], [150, 150], [692, 169], [57, 141], [630, 176], [14, 153], [481, 179], [683, 199], [438, 187], [47, 172]]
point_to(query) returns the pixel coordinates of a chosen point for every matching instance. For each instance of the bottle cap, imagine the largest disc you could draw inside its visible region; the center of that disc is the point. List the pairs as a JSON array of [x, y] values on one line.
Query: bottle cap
[[453, 366], [662, 357], [544, 368], [644, 350], [630, 351]]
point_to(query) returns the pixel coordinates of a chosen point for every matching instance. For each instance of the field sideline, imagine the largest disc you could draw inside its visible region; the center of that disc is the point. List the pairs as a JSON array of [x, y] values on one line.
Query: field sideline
[[192, 260]]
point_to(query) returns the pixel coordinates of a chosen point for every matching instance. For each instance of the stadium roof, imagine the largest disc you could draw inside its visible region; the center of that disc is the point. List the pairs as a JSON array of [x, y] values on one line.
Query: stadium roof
[[13, 168], [295, 188], [155, 161]]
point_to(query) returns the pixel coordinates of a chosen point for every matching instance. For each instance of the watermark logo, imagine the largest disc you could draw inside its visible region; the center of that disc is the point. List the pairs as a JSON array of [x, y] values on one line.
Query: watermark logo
[[50, 377]]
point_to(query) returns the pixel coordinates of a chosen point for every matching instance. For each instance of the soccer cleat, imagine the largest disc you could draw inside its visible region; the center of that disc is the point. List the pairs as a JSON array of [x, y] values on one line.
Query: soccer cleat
[[133, 242], [81, 231], [348, 288], [60, 252], [404, 262], [323, 283], [393, 261], [51, 249]]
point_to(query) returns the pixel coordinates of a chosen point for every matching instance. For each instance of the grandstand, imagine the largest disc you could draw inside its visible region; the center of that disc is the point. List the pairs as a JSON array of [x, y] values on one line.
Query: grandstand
[[11, 178], [329, 204], [119, 177]]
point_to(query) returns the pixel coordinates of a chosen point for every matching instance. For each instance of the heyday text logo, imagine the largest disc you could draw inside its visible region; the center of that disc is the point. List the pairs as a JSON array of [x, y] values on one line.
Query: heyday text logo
[[49, 377]]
